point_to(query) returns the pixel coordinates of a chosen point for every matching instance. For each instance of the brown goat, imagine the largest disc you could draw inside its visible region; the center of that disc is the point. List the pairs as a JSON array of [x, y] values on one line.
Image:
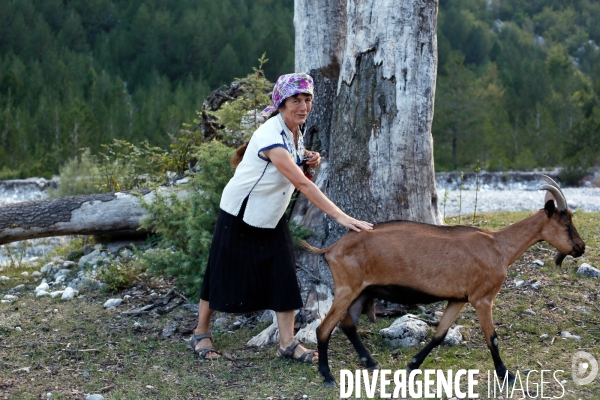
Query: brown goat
[[409, 263]]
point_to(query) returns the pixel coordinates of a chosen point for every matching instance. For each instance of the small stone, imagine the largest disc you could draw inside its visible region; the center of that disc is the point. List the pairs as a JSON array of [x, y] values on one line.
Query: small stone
[[68, 294], [153, 294], [41, 293], [406, 331], [10, 297], [529, 312], [587, 270], [111, 303], [69, 265], [544, 336], [126, 297], [149, 387], [95, 397], [25, 273], [18, 329], [42, 287], [46, 268], [49, 395], [4, 278], [62, 272], [453, 337], [137, 326], [17, 288], [36, 274], [536, 285], [519, 283], [56, 294], [537, 263], [267, 317], [569, 335], [86, 374], [221, 321], [169, 330]]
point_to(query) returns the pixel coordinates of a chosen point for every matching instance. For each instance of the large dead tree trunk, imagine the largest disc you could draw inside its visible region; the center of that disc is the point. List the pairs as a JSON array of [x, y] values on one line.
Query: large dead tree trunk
[[374, 64], [111, 214]]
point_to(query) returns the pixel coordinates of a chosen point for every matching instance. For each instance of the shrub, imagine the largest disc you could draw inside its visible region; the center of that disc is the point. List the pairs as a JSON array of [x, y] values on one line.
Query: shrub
[[79, 175], [185, 218], [118, 275]]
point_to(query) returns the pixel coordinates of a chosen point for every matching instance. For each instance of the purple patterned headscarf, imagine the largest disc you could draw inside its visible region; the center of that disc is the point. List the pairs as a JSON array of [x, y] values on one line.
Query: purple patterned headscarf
[[287, 86]]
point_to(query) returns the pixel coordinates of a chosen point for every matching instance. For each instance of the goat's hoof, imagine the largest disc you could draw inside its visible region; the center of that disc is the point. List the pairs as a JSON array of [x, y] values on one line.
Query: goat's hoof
[[372, 367], [329, 383]]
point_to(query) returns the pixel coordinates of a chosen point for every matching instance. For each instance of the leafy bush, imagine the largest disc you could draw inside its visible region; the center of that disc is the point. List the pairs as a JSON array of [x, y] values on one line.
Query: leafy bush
[[79, 175], [118, 275], [185, 218]]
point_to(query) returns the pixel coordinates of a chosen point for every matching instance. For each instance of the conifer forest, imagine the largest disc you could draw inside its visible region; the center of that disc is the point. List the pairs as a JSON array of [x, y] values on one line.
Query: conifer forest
[[517, 86]]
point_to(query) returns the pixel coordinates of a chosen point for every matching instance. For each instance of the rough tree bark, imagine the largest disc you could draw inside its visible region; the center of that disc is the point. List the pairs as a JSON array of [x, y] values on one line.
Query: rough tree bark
[[112, 214], [374, 64]]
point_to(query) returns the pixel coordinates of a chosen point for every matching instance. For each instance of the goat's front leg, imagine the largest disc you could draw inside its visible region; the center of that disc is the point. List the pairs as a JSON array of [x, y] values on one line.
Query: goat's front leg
[[484, 313], [340, 306], [349, 328], [450, 313]]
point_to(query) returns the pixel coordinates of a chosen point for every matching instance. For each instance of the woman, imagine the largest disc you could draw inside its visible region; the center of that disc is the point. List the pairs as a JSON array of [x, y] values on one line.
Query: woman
[[251, 264]]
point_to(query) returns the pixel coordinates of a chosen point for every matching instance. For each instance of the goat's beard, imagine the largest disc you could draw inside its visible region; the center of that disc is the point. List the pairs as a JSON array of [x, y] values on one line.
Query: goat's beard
[[558, 258]]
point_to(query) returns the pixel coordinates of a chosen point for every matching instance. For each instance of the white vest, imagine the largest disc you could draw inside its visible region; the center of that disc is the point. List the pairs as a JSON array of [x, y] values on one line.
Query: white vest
[[268, 191]]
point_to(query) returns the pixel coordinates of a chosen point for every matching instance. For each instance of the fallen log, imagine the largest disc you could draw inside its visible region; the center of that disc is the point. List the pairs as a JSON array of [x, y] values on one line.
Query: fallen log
[[112, 214]]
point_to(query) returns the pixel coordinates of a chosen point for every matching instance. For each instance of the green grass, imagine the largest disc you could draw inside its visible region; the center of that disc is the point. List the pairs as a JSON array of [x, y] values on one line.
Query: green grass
[[76, 348]]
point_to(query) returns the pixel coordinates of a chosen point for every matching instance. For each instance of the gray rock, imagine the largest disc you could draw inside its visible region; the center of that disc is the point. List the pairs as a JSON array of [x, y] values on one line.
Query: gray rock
[[56, 293], [569, 335], [529, 312], [453, 337], [41, 293], [111, 303], [11, 297], [25, 273], [87, 249], [36, 274], [221, 321], [587, 270], [193, 307], [537, 263], [17, 288], [46, 268], [519, 283], [4, 278], [169, 330], [68, 294], [536, 285], [62, 272], [42, 286], [69, 265], [405, 331], [90, 259], [95, 397], [544, 336], [267, 317]]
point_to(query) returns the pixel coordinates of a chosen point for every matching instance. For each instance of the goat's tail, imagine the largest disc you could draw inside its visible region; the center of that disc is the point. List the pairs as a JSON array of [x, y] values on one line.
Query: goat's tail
[[304, 244]]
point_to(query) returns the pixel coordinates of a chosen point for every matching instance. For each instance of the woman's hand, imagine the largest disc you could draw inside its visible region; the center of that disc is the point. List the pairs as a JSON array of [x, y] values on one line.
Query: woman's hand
[[314, 158], [353, 224]]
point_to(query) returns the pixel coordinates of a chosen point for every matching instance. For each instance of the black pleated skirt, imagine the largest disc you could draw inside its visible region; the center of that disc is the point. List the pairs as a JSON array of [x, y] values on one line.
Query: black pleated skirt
[[250, 269]]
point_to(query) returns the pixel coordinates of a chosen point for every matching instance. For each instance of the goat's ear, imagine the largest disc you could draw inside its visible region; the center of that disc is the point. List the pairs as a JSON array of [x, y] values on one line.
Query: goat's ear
[[550, 208]]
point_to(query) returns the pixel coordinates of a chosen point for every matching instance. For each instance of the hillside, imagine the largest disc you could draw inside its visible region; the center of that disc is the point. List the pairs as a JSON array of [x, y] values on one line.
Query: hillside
[[517, 87]]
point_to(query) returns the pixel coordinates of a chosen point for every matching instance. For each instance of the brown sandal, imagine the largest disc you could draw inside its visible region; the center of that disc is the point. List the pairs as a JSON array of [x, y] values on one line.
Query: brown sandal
[[306, 357], [203, 351]]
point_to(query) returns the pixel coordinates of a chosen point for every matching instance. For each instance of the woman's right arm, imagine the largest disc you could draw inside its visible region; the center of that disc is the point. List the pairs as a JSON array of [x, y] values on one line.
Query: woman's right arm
[[283, 162]]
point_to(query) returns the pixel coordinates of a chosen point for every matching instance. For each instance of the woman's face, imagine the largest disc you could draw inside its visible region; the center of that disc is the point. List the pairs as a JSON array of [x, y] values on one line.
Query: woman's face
[[296, 109]]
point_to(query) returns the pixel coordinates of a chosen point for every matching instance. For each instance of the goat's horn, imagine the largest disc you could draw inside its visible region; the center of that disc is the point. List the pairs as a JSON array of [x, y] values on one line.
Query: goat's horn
[[561, 203], [550, 181]]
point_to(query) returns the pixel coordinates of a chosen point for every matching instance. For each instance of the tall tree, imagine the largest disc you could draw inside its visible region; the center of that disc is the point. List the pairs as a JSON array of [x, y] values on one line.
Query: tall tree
[[374, 64]]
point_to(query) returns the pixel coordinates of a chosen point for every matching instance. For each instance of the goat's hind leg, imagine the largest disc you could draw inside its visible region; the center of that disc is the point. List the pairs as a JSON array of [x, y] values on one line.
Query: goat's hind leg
[[452, 310], [338, 309], [349, 324], [484, 313]]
